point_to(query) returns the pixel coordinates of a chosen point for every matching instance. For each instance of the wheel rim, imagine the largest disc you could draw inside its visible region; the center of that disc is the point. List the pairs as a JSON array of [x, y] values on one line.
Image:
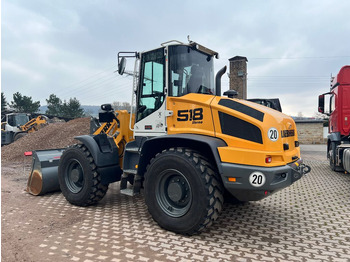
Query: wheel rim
[[173, 193], [74, 176]]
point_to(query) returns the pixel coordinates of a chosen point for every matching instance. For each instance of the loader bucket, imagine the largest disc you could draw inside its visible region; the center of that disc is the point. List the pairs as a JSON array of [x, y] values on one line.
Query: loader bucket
[[43, 177]]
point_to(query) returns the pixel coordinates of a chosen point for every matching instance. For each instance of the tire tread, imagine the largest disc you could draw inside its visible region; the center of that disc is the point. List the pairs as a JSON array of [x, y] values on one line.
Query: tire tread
[[98, 190], [213, 185]]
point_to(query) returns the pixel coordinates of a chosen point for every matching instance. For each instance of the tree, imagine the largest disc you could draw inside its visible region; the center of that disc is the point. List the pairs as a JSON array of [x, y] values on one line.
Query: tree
[[323, 117], [72, 109], [3, 102], [319, 115], [121, 105], [54, 105], [24, 104]]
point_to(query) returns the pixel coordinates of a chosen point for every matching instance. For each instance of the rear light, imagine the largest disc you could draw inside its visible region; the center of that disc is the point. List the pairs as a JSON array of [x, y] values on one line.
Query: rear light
[[268, 159]]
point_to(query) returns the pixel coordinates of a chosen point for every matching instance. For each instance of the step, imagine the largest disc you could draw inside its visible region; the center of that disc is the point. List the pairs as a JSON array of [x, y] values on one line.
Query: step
[[130, 171], [132, 150], [127, 191]]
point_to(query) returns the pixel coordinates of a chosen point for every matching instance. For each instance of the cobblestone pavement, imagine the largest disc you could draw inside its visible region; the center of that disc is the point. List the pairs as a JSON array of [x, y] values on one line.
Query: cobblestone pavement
[[308, 221]]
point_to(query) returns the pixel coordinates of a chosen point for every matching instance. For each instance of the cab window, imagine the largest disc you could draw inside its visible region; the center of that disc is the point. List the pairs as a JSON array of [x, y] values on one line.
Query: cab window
[[152, 82], [190, 71]]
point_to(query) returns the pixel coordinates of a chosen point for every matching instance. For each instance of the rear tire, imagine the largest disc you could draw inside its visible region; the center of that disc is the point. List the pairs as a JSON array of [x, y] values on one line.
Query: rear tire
[[78, 177], [182, 191]]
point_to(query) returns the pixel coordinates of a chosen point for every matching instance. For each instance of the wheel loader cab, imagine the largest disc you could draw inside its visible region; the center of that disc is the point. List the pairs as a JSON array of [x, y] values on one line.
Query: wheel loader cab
[[17, 119], [170, 71], [12, 124]]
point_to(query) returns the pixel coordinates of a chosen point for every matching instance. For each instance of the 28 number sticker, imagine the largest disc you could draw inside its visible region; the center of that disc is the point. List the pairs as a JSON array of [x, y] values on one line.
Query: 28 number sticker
[[257, 179], [273, 134]]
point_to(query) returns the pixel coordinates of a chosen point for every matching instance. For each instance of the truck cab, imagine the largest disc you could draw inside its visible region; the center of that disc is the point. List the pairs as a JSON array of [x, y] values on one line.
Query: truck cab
[[336, 104]]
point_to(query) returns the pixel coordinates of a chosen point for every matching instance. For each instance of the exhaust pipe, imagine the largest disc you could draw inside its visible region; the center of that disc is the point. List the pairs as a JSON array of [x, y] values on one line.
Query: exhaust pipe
[[43, 177], [218, 80]]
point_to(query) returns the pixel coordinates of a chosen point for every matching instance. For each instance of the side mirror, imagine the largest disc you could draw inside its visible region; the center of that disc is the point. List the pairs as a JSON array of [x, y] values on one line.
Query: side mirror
[[324, 103], [121, 66], [321, 104]]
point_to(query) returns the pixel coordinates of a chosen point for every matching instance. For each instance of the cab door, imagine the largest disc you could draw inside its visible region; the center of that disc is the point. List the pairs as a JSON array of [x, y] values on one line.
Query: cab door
[[150, 103]]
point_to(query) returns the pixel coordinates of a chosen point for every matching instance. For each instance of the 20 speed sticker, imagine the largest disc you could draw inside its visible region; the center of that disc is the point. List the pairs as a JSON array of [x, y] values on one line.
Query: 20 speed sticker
[[272, 134], [257, 179]]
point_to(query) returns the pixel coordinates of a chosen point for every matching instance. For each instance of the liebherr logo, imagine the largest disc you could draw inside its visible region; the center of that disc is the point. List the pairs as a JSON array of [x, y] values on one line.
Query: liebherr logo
[[287, 133], [193, 115]]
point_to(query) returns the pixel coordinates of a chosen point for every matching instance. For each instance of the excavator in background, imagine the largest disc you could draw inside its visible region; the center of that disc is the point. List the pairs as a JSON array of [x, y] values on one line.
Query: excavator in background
[[182, 144], [338, 110], [16, 125]]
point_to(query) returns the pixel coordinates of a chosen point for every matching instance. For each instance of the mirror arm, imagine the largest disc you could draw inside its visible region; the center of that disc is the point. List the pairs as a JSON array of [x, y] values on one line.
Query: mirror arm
[[122, 60]]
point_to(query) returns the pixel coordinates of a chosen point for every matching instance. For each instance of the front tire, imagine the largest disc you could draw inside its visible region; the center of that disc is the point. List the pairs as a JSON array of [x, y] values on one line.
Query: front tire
[[79, 180], [182, 191]]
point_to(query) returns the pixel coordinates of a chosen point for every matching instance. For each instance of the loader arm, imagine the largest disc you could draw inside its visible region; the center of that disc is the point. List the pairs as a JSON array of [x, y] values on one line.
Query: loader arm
[[112, 134]]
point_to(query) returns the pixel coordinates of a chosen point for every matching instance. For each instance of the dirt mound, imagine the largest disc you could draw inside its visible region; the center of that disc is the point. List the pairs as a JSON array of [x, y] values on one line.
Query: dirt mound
[[55, 135]]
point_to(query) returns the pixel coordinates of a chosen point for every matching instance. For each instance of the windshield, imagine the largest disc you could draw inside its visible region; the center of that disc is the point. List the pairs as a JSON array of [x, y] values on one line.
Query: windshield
[[18, 120], [191, 71]]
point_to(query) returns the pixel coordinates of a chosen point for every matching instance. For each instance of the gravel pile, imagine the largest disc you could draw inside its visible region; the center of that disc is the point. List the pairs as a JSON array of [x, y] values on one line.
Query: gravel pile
[[55, 135]]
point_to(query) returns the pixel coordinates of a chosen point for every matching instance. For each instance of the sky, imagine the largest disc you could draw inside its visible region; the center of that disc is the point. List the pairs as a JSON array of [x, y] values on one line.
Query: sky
[[69, 48]]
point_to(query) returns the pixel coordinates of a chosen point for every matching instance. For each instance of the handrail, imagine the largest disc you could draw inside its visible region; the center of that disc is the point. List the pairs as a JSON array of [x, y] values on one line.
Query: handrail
[[176, 41]]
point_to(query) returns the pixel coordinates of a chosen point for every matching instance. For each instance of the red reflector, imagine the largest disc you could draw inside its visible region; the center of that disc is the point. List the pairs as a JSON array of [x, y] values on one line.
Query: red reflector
[[268, 159], [28, 153], [56, 157], [266, 193]]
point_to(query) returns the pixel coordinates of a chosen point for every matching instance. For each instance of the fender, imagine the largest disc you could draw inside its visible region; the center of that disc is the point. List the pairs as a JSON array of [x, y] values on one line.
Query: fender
[[102, 149], [334, 137], [105, 154], [204, 144]]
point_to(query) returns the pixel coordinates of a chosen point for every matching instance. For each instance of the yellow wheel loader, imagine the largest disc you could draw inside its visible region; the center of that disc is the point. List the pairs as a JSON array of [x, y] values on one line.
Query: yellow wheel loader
[[182, 143], [16, 125]]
